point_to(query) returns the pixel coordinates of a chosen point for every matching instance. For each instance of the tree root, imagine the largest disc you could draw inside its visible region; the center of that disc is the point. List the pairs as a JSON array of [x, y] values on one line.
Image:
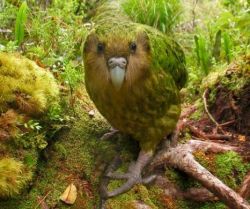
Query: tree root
[[181, 157], [195, 194], [245, 187]]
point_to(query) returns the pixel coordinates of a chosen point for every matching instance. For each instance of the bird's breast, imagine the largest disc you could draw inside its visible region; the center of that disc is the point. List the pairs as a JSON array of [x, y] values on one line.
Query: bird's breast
[[151, 107]]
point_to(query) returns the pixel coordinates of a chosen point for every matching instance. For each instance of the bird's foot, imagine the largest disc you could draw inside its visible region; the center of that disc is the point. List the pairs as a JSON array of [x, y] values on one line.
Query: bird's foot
[[132, 177], [110, 134]]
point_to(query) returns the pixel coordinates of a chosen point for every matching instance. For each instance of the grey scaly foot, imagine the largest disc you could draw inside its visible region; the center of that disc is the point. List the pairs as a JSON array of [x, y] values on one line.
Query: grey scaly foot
[[110, 134], [133, 176]]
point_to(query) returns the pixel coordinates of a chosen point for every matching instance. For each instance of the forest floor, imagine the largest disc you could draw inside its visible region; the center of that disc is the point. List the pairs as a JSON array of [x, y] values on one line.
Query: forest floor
[[215, 109]]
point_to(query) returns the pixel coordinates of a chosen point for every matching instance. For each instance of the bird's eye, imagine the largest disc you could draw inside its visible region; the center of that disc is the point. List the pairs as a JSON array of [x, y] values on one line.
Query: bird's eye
[[132, 47], [100, 47]]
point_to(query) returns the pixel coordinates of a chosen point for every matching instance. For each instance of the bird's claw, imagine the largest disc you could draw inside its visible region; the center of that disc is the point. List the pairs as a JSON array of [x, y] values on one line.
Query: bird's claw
[[109, 134], [132, 178]]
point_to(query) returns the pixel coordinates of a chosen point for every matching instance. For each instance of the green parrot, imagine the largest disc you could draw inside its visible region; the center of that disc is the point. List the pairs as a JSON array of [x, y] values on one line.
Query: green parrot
[[133, 74]]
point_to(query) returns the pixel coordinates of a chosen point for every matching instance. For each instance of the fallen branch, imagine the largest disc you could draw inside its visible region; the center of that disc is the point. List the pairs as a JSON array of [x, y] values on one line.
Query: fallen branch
[[199, 133], [181, 157]]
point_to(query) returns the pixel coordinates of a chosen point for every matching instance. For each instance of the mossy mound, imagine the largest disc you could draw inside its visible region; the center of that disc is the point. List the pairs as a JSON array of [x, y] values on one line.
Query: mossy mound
[[13, 177], [27, 91], [229, 96], [26, 86]]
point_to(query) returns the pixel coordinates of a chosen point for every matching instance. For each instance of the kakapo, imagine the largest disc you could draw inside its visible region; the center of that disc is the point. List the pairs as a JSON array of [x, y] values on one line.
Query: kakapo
[[133, 74]]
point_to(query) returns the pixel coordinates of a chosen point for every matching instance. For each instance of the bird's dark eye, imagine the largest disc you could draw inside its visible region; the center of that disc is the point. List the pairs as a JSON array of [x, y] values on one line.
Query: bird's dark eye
[[132, 47], [100, 47]]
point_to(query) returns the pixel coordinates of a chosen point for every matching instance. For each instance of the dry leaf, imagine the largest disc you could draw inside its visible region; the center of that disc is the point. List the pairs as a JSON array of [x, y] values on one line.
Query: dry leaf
[[242, 138], [69, 195]]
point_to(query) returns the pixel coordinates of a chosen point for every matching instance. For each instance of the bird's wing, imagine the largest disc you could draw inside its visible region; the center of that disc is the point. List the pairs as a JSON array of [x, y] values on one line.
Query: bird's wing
[[174, 62]]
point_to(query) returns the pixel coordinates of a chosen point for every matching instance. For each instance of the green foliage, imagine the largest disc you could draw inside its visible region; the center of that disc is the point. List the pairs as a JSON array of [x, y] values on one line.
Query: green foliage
[[55, 113], [31, 140], [216, 205], [72, 75], [230, 168], [202, 53], [20, 23], [161, 14], [227, 45], [32, 124], [217, 46]]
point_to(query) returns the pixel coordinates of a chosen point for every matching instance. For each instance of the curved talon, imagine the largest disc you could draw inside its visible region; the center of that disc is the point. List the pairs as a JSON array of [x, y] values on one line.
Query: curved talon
[[125, 187], [133, 176], [109, 134], [149, 179]]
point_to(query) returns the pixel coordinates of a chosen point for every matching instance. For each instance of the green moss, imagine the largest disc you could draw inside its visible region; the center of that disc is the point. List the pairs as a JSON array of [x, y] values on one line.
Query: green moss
[[234, 77], [217, 205], [185, 204], [139, 192], [181, 179], [31, 88], [199, 110], [13, 177], [230, 168]]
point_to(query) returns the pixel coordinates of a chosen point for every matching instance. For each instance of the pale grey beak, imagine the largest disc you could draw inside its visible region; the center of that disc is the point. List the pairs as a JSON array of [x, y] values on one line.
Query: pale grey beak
[[117, 68]]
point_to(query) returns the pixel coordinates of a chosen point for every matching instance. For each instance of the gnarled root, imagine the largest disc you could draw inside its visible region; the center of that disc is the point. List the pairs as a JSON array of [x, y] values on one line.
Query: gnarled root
[[181, 157], [195, 194]]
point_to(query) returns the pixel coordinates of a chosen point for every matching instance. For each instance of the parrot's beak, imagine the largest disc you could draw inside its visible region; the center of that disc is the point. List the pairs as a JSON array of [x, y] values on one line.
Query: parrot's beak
[[117, 75], [117, 70]]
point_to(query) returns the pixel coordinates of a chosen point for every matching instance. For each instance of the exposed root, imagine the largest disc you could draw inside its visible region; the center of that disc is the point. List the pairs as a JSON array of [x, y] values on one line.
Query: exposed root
[[245, 187], [181, 157], [195, 194]]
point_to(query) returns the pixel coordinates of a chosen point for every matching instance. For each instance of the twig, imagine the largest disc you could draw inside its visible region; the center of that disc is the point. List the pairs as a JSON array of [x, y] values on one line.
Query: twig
[[201, 134], [206, 108], [5, 31], [42, 202]]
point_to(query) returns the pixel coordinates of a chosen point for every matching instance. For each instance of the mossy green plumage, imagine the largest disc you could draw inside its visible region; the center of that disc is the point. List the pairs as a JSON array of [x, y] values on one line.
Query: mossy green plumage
[[148, 104], [20, 76]]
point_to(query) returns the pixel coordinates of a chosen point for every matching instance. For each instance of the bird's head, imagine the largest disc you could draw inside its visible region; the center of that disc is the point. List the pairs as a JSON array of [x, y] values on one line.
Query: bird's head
[[118, 60]]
